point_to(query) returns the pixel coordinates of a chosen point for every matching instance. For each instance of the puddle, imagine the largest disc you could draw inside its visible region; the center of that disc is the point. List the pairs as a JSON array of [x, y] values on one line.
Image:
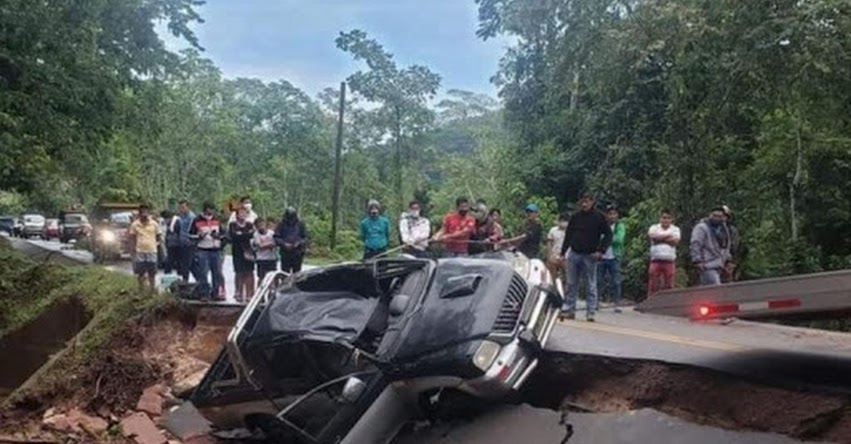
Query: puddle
[[24, 351]]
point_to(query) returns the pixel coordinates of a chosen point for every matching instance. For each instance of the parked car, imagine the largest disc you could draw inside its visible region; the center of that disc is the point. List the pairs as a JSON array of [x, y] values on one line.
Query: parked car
[[33, 225], [352, 352], [110, 240], [73, 225], [51, 229], [7, 225]]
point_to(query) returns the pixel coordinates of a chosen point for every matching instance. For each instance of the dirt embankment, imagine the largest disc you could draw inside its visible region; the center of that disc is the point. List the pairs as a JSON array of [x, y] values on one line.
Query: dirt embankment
[[712, 398], [141, 368]]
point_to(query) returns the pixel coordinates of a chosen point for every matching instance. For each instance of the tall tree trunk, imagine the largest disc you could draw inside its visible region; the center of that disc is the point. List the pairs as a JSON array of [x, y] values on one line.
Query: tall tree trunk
[[399, 166], [796, 183]]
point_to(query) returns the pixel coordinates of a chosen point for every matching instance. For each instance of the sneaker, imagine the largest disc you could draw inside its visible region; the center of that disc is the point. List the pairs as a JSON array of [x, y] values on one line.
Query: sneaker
[[590, 317], [566, 316]]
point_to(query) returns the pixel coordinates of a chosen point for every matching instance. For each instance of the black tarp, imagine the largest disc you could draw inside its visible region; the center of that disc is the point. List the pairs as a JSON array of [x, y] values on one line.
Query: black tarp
[[317, 316]]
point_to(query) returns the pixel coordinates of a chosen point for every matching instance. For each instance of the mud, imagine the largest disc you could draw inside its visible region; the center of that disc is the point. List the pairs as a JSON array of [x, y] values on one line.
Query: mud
[[593, 383], [172, 346]]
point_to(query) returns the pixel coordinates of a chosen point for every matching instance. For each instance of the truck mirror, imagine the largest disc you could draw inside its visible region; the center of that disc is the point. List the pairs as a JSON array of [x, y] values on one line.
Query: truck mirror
[[353, 388]]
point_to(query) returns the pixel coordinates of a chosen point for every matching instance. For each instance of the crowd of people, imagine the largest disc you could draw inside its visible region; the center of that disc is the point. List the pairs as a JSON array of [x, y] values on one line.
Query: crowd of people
[[585, 249]]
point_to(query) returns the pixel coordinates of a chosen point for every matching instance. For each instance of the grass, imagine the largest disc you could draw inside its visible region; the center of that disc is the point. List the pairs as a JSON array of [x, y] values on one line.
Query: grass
[[28, 288]]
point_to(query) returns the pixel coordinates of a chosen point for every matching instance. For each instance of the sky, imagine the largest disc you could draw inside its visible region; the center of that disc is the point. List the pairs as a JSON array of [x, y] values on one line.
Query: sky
[[294, 39]]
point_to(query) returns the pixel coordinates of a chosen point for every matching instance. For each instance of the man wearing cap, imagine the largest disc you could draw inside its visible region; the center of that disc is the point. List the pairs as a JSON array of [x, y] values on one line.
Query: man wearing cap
[[528, 243], [588, 236], [710, 247], [374, 231]]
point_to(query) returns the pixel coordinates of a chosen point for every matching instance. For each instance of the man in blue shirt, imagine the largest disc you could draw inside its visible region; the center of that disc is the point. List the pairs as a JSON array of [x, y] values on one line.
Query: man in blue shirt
[[374, 231]]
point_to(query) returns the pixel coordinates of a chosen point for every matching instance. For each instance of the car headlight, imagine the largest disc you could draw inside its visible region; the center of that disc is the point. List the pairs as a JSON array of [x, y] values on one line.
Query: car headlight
[[108, 236], [485, 355]]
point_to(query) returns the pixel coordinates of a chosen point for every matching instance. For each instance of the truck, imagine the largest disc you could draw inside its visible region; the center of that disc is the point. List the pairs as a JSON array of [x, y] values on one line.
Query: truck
[[350, 353]]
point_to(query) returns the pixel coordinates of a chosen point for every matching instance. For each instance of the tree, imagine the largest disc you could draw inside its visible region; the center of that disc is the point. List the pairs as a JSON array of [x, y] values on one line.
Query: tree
[[401, 92]]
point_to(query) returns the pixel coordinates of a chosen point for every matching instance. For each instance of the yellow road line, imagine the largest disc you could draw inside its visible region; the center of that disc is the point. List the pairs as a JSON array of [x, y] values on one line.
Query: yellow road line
[[691, 342]]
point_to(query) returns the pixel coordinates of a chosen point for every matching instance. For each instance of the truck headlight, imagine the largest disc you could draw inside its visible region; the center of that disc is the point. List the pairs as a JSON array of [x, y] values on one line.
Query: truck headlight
[[107, 236], [485, 355]]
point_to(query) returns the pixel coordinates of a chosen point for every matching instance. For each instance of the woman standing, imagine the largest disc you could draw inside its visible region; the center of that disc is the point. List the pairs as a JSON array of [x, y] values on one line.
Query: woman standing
[[493, 231], [241, 232]]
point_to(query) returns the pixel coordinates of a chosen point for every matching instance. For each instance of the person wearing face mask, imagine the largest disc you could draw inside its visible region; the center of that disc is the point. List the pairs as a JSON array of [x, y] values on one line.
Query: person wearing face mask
[[291, 238], [207, 234], [414, 231], [263, 243], [374, 231], [250, 215], [710, 247], [457, 228], [555, 238]]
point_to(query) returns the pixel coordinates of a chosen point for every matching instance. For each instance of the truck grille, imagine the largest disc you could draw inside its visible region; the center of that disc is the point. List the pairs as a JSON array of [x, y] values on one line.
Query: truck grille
[[509, 313]]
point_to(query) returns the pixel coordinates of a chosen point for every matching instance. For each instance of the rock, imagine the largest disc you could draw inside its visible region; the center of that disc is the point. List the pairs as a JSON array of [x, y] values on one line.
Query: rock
[[139, 427], [189, 382], [61, 423], [91, 424], [185, 422], [49, 412], [151, 401]]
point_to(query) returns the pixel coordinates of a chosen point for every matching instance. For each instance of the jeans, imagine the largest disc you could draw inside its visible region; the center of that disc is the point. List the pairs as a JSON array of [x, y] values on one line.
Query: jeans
[[451, 254], [710, 276], [612, 269], [666, 270], [209, 262], [184, 260], [576, 266], [291, 261], [369, 253]]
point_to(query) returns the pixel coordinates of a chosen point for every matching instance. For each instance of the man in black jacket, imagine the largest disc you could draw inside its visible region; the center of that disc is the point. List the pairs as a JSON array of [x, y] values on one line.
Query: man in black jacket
[[588, 236], [291, 238]]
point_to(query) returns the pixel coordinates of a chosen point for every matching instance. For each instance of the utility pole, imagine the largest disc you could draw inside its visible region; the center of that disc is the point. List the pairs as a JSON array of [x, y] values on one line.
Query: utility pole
[[338, 160]]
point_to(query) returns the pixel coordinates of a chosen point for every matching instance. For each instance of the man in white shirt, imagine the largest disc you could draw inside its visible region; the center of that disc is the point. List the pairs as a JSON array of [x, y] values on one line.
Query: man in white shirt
[[415, 231], [555, 237], [664, 238]]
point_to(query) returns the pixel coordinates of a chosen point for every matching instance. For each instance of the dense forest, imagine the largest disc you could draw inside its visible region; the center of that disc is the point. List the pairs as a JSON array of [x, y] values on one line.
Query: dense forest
[[650, 104]]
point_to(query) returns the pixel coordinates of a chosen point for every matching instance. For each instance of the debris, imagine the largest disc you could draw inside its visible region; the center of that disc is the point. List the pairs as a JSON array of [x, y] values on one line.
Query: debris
[[92, 425], [185, 422], [61, 423], [151, 401], [139, 427]]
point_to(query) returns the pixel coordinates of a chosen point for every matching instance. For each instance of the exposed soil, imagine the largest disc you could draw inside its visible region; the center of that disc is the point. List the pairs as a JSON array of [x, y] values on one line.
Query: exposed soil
[[173, 347], [712, 398]]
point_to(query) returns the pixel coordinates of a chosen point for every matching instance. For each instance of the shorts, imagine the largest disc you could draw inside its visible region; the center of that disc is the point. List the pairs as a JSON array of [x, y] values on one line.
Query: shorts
[[145, 263]]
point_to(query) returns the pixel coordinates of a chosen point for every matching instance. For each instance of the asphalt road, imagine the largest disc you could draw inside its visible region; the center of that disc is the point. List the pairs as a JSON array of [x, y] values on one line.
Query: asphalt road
[[791, 356]]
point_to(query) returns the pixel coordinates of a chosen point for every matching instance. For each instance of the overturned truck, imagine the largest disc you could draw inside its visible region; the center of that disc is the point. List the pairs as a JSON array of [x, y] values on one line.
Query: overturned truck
[[352, 352]]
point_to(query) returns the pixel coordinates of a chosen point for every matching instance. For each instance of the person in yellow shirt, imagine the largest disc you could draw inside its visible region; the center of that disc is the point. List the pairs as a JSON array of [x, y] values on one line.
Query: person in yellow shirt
[[144, 232]]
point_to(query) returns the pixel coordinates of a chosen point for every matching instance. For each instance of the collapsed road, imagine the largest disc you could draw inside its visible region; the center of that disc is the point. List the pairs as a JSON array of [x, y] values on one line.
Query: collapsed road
[[727, 375]]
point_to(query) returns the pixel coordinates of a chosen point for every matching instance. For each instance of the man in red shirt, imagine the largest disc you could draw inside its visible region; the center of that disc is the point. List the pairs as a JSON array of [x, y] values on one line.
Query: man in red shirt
[[457, 228]]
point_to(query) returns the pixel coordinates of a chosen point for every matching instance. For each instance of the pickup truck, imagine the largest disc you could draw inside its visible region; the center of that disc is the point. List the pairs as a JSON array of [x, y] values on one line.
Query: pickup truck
[[350, 353]]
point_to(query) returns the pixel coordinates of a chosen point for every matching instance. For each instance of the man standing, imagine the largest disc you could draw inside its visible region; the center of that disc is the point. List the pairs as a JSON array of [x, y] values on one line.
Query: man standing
[[664, 238], [415, 231], [457, 228], [291, 238], [145, 234], [610, 266], [588, 236], [172, 229], [477, 239], [710, 247], [374, 231], [555, 239], [185, 250], [529, 243], [207, 234]]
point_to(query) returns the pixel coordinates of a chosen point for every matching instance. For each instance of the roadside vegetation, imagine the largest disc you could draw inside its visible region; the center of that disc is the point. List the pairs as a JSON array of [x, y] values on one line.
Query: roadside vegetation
[[650, 104], [111, 300]]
